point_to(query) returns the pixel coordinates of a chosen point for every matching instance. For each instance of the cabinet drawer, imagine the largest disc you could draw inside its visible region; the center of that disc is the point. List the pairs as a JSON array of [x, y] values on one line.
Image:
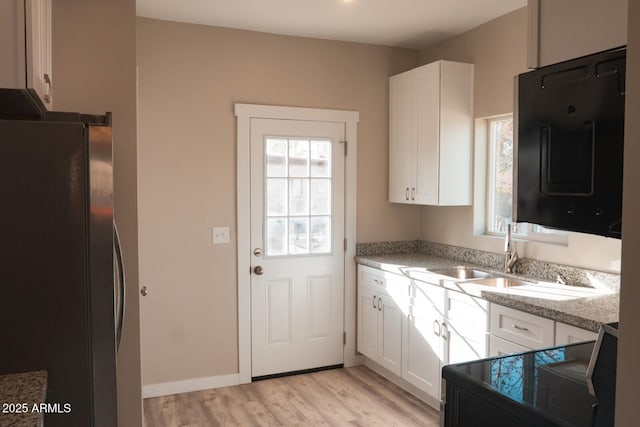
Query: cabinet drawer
[[393, 285], [500, 347], [371, 277], [521, 328]]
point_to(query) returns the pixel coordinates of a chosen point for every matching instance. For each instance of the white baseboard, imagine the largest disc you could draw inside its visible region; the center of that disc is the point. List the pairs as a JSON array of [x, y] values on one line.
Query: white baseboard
[[185, 386]]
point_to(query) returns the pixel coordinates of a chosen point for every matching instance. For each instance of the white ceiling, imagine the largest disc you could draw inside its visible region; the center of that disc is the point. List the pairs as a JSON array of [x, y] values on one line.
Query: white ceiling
[[404, 23]]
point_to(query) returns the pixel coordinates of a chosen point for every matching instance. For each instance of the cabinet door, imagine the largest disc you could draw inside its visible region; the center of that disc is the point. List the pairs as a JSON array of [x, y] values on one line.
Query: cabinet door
[[568, 334], [466, 331], [402, 137], [38, 48], [568, 29], [367, 328], [463, 348], [427, 155], [422, 342], [389, 334]]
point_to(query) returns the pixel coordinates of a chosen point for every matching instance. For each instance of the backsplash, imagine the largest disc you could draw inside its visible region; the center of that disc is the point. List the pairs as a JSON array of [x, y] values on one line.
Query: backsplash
[[540, 270]]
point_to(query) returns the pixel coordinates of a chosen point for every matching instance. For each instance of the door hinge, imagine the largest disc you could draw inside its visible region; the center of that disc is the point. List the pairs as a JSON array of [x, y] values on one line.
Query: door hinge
[[346, 143], [345, 244], [344, 338]]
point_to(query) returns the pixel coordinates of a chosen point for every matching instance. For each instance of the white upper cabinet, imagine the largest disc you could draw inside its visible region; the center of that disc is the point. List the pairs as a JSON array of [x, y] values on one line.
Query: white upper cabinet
[[25, 45], [567, 29], [430, 135]]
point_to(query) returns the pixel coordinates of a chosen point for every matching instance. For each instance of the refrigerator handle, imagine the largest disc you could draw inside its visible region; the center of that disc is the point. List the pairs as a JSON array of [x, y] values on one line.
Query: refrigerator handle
[[120, 289]]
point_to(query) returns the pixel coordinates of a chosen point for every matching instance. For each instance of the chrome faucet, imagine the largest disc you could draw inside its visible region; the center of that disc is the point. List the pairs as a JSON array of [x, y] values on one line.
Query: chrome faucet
[[510, 255]]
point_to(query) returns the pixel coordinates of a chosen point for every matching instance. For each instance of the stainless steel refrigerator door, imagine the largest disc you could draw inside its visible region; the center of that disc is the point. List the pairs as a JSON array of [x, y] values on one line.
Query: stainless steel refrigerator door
[[56, 264], [101, 275]]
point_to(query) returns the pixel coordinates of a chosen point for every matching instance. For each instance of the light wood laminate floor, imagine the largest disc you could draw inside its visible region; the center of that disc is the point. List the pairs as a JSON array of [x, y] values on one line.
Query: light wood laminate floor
[[340, 397]]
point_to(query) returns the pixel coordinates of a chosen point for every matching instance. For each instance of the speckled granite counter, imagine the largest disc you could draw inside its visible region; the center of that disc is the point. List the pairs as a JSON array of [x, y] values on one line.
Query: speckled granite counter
[[18, 394], [581, 306]]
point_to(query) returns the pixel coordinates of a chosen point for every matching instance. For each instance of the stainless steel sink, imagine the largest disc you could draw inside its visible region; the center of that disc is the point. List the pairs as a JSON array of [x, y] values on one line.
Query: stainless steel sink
[[501, 282], [462, 273]]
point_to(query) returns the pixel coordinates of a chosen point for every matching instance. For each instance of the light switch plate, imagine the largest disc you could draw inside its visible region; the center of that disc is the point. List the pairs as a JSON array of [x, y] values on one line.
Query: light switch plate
[[220, 235]]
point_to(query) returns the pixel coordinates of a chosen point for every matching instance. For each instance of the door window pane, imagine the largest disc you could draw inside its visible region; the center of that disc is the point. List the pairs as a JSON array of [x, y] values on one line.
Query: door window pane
[[320, 234], [276, 197], [320, 197], [276, 235], [298, 196], [276, 157], [298, 158], [299, 235], [321, 158]]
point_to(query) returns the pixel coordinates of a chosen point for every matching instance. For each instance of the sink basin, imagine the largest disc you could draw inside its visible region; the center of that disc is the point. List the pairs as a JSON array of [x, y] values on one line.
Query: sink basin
[[501, 282], [462, 273]]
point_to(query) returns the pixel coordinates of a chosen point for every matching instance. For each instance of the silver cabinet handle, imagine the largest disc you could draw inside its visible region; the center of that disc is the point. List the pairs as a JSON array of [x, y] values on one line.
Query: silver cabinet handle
[[406, 193], [445, 331], [413, 193], [374, 302], [520, 328], [47, 96], [378, 281], [436, 328], [258, 270], [379, 305]]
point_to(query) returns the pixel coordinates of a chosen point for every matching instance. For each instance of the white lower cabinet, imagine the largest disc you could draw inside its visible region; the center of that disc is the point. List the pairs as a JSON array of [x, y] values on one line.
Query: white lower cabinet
[[413, 328], [442, 326], [466, 328], [380, 318], [389, 334], [423, 346]]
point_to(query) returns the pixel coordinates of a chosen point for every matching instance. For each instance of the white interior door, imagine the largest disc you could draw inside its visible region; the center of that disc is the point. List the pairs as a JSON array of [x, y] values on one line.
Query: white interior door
[[297, 235]]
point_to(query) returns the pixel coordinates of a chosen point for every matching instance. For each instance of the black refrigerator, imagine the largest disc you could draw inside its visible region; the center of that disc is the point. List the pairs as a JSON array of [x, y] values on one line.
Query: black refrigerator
[[61, 275]]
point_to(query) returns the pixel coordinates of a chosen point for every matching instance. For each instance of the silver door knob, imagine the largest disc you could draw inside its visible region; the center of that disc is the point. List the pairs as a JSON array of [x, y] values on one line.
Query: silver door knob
[[258, 270], [143, 291]]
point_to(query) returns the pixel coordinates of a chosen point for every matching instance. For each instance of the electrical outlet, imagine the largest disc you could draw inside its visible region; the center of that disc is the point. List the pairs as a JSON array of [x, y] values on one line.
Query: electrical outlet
[[220, 235]]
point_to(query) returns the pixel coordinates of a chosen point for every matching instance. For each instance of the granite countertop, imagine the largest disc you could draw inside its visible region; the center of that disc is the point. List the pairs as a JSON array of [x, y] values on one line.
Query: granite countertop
[[18, 394], [584, 307]]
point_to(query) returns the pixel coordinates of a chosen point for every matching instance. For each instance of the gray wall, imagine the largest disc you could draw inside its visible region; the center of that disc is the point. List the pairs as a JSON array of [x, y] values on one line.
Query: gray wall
[[190, 76]]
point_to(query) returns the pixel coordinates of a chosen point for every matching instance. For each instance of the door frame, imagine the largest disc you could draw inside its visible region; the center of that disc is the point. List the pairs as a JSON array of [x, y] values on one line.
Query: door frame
[[244, 114]]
